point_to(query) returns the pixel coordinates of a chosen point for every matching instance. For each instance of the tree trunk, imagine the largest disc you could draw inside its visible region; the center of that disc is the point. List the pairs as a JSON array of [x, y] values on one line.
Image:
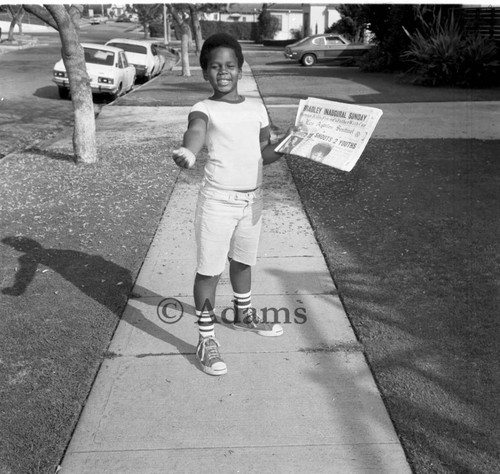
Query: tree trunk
[[186, 71], [185, 39], [84, 139], [195, 20], [145, 25], [20, 21], [17, 15], [12, 25]]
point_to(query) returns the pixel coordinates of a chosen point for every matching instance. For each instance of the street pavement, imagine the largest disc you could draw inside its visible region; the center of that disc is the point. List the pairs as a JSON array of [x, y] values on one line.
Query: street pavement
[[303, 402]]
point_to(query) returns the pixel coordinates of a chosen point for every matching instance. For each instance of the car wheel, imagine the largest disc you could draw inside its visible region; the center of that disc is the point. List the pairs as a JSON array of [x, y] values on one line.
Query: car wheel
[[63, 93], [118, 93], [308, 60]]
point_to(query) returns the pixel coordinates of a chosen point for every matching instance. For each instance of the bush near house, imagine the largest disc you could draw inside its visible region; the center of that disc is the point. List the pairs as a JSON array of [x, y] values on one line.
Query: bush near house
[[247, 31]]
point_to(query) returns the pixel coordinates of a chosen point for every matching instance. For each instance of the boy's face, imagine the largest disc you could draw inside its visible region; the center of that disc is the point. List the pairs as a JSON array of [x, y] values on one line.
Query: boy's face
[[223, 73]]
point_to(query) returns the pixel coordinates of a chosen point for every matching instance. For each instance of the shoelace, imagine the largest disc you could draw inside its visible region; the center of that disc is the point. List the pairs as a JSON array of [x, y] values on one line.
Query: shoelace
[[255, 319], [210, 347]]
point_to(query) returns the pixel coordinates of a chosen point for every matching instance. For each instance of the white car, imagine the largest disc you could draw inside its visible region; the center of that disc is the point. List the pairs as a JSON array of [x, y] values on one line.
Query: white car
[[97, 20], [143, 54], [108, 69]]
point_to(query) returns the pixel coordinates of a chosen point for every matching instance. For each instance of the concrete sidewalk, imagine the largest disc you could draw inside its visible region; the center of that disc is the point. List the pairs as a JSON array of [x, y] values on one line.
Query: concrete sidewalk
[[303, 402]]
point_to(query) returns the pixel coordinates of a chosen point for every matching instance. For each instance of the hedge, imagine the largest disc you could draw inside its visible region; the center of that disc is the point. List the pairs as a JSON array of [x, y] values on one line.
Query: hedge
[[240, 30]]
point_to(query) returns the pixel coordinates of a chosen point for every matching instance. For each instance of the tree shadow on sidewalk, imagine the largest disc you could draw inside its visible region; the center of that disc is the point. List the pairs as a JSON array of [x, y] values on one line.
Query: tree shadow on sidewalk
[[102, 280]]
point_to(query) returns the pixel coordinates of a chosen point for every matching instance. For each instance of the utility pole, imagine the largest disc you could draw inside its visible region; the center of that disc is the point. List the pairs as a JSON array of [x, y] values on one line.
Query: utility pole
[[166, 25]]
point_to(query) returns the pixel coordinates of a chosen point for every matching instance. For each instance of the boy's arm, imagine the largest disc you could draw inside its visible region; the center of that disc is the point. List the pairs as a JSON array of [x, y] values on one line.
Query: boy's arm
[[268, 154], [192, 143], [267, 148]]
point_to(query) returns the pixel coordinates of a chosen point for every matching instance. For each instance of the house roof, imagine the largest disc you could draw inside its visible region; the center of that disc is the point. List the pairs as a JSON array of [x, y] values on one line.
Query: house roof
[[284, 6], [243, 7]]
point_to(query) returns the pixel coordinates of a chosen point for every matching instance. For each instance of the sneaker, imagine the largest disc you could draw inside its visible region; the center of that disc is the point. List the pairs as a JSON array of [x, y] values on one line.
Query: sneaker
[[252, 322], [209, 357]]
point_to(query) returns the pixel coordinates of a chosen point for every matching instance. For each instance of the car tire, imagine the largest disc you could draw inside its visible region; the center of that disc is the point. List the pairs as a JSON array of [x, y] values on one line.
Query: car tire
[[308, 60], [63, 93], [118, 93]]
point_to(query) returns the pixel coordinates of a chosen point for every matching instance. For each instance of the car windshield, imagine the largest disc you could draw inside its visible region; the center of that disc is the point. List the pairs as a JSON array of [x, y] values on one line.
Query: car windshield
[[130, 48], [99, 56]]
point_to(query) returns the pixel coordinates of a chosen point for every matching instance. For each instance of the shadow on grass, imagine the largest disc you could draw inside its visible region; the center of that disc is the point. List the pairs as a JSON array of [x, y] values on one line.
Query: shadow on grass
[[102, 280], [410, 236], [52, 154]]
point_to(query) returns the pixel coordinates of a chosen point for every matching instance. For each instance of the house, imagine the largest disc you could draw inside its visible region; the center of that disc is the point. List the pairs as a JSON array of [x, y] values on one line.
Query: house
[[290, 17], [295, 19], [302, 18], [318, 17], [236, 12]]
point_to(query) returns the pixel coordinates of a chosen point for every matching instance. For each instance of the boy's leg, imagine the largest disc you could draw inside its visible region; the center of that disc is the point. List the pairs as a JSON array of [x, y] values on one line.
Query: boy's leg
[[240, 275], [214, 226], [245, 317], [208, 347], [204, 301]]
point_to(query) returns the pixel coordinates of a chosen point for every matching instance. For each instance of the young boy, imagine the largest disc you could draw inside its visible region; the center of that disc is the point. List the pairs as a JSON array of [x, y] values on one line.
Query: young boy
[[228, 213]]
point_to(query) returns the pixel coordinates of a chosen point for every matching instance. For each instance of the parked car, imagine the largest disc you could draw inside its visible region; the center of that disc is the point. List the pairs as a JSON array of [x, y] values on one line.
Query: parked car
[[123, 19], [324, 47], [143, 54], [98, 19], [108, 69]]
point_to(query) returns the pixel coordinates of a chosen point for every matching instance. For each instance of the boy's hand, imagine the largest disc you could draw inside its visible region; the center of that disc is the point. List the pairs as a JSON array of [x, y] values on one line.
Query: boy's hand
[[184, 157], [282, 136]]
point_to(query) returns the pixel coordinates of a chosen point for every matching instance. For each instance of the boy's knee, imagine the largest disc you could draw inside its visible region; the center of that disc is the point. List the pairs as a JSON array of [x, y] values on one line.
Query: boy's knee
[[202, 277], [238, 265]]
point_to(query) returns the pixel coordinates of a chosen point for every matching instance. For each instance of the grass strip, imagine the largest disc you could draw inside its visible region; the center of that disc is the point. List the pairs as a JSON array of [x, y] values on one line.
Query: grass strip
[[73, 239], [411, 238]]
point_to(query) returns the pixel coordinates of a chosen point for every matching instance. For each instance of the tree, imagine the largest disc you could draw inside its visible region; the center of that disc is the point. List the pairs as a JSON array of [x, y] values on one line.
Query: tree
[[194, 12], [65, 19], [17, 13], [181, 20], [148, 13], [352, 23], [268, 24], [389, 23], [195, 22]]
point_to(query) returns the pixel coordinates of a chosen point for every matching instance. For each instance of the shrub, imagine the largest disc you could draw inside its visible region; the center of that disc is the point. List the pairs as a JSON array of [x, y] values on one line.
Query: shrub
[[297, 34], [156, 30], [268, 24], [240, 30], [478, 67], [377, 59], [442, 53]]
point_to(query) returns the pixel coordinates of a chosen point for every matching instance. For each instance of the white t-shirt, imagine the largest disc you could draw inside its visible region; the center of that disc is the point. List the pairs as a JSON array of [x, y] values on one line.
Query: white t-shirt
[[234, 133]]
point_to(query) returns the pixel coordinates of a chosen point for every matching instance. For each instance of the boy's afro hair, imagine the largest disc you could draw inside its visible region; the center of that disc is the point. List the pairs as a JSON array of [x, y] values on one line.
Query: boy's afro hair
[[216, 41]]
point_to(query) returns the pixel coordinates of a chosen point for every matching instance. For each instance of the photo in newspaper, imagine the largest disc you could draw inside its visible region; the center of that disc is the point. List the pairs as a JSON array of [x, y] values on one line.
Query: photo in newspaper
[[332, 133]]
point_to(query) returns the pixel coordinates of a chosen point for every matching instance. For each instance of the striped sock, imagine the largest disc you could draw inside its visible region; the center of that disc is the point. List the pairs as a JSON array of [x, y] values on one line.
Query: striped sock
[[242, 303], [206, 323]]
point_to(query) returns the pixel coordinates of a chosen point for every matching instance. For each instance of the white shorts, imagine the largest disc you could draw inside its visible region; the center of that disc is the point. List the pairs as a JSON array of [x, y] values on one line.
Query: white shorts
[[227, 225]]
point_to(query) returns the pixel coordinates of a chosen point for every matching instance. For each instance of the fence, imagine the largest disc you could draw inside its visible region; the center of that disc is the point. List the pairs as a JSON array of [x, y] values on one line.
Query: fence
[[484, 20]]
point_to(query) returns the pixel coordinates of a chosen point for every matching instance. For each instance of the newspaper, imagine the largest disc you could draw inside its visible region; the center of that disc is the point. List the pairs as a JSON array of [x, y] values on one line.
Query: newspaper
[[330, 132]]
